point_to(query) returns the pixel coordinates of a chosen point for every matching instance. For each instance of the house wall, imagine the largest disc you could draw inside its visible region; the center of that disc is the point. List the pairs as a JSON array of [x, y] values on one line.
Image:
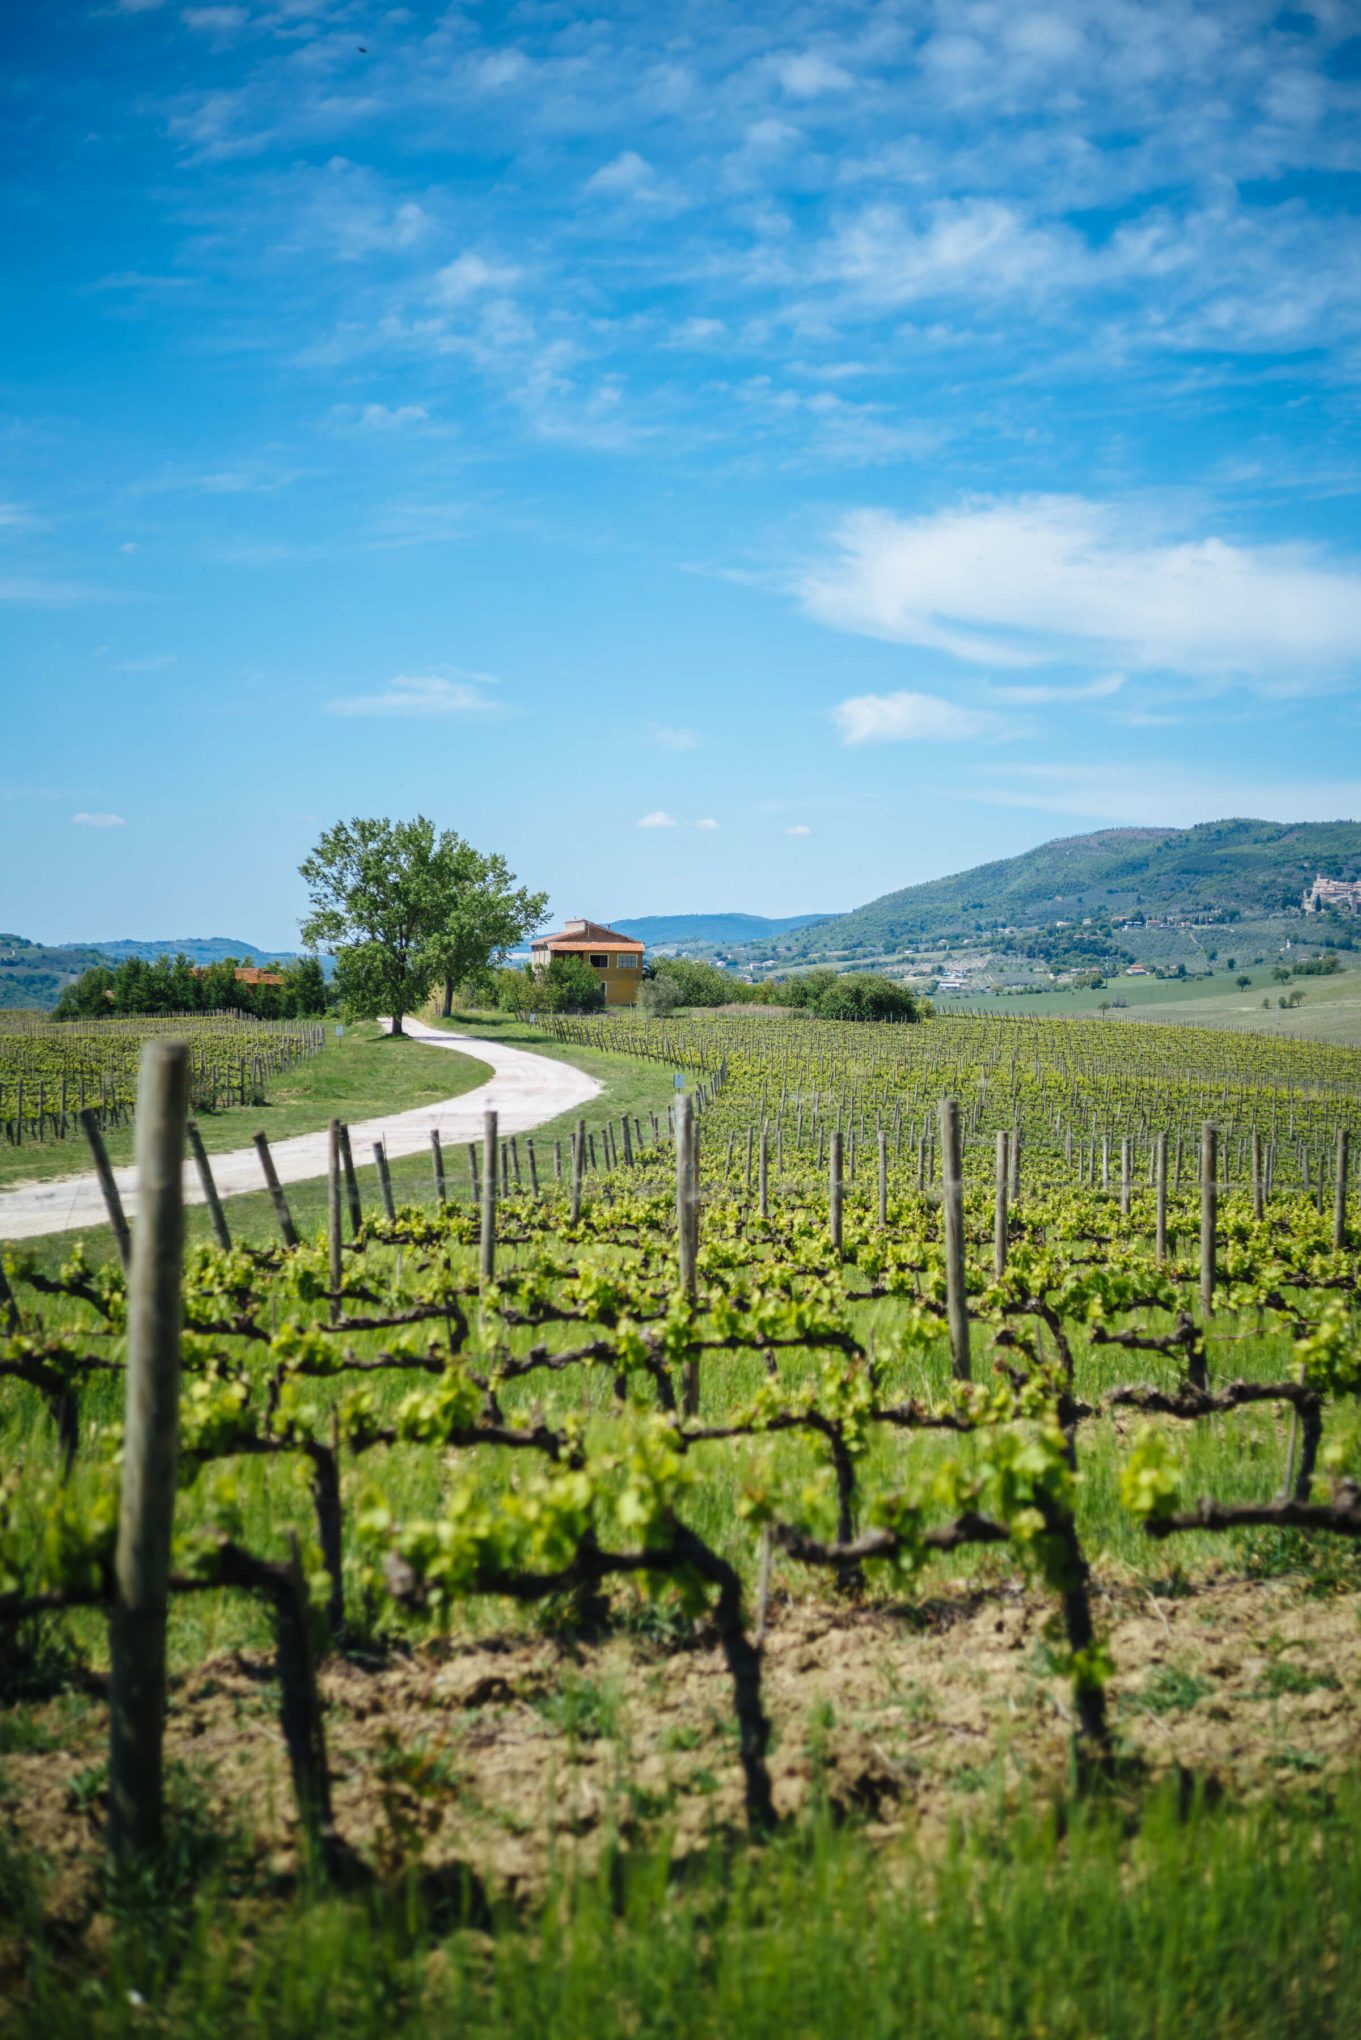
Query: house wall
[[621, 976]]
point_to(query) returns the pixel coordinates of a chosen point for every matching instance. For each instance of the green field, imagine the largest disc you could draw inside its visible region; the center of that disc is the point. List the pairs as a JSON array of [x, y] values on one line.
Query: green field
[[1330, 1010], [541, 1774], [366, 1073]]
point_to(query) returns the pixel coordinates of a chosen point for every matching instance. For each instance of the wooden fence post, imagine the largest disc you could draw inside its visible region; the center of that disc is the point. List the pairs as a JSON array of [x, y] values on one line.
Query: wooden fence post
[[113, 1203], [333, 1226], [437, 1165], [952, 1204], [999, 1208], [380, 1162], [763, 1171], [1160, 1164], [487, 1259], [834, 1189], [1209, 1213], [146, 1506], [1340, 1192], [883, 1177], [281, 1211], [1126, 1173], [578, 1167], [356, 1209], [209, 1188]]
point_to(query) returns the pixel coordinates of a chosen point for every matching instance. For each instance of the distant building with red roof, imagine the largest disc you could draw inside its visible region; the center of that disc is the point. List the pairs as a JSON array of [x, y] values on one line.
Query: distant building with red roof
[[617, 958]]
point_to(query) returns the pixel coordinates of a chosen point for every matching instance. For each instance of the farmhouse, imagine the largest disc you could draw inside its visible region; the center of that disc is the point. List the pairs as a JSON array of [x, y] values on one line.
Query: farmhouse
[[1344, 893], [617, 958]]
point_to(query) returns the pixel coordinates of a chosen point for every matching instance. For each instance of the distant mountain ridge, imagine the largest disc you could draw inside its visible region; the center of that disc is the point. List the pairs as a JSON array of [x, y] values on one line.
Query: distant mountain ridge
[[661, 930], [198, 949], [1238, 865], [36, 973]]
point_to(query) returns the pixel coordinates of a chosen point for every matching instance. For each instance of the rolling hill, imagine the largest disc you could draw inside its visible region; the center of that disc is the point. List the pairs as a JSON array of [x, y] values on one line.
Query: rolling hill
[[1236, 868], [661, 931]]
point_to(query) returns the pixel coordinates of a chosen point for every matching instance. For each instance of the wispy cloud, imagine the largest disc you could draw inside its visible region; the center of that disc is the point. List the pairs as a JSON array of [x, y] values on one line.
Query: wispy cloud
[[1014, 582], [98, 821], [1170, 796], [798, 829], [667, 738], [433, 694], [907, 717], [707, 822], [658, 818], [1041, 694]]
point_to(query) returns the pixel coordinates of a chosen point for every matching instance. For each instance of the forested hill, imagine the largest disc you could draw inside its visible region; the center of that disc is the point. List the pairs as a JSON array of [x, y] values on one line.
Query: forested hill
[[661, 930], [1251, 867]]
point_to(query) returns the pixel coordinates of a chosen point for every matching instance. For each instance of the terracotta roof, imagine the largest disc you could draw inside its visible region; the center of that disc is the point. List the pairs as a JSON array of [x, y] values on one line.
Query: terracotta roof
[[586, 935]]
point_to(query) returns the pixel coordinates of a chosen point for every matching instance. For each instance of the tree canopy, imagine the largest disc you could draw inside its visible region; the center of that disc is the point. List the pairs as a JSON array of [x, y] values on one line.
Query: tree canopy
[[402, 905]]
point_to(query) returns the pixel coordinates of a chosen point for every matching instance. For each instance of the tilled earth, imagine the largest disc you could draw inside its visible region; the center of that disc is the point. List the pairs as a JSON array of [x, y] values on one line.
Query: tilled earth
[[492, 1759]]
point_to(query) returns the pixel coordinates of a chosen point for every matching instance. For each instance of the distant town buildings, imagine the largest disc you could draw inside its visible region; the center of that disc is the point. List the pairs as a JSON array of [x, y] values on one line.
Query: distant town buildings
[[1342, 894]]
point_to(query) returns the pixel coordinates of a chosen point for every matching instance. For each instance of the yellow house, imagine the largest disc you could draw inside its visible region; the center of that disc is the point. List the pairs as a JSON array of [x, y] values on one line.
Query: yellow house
[[617, 958]]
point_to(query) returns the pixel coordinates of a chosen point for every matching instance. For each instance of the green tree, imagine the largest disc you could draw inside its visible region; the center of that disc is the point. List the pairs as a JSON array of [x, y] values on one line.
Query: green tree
[[569, 985], [485, 914], [380, 894]]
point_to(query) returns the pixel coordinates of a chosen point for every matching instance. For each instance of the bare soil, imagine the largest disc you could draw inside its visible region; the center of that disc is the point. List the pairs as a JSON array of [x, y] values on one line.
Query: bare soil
[[502, 1755]]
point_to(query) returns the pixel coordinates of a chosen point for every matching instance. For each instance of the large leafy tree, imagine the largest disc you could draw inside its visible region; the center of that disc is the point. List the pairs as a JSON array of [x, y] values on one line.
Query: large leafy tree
[[401, 904], [487, 914]]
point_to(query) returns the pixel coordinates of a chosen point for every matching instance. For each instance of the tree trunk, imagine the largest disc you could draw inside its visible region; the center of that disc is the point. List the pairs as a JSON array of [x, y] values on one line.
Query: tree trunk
[[397, 1026], [447, 1008]]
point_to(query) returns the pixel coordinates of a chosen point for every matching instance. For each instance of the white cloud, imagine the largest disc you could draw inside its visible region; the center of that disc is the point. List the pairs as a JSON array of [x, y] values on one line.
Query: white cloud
[[99, 821], [214, 20], [469, 275], [378, 417], [129, 545], [667, 738], [707, 823], [1016, 581], [154, 662], [798, 829], [906, 717], [658, 819], [1026, 696], [809, 75], [423, 695], [1165, 796], [628, 175]]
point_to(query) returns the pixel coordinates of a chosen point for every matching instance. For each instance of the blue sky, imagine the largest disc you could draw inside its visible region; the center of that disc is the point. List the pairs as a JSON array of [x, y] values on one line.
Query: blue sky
[[722, 456]]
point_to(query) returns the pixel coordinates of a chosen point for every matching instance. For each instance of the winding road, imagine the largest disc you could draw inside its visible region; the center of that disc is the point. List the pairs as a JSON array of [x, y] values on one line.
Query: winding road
[[524, 1090]]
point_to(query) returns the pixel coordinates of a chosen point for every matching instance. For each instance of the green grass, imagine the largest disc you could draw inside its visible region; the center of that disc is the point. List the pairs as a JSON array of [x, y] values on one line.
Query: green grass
[[628, 1085], [1331, 1009], [365, 1073], [1142, 1920]]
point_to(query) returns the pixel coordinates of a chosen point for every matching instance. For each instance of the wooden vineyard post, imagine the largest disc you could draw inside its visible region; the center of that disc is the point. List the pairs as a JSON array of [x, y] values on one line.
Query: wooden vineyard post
[[1209, 1213], [333, 1218], [356, 1209], [487, 1257], [687, 1232], [763, 1171], [150, 1446], [999, 1209], [1258, 1190], [883, 1177], [1340, 1193], [437, 1166], [1016, 1164], [473, 1174], [578, 1167], [1126, 1173], [380, 1162], [834, 1189], [1160, 1164], [209, 1188], [287, 1228], [952, 1203], [533, 1164], [108, 1189]]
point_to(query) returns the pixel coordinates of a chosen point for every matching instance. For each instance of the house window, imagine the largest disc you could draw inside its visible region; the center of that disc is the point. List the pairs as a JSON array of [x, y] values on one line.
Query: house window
[[599, 962], [627, 962]]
